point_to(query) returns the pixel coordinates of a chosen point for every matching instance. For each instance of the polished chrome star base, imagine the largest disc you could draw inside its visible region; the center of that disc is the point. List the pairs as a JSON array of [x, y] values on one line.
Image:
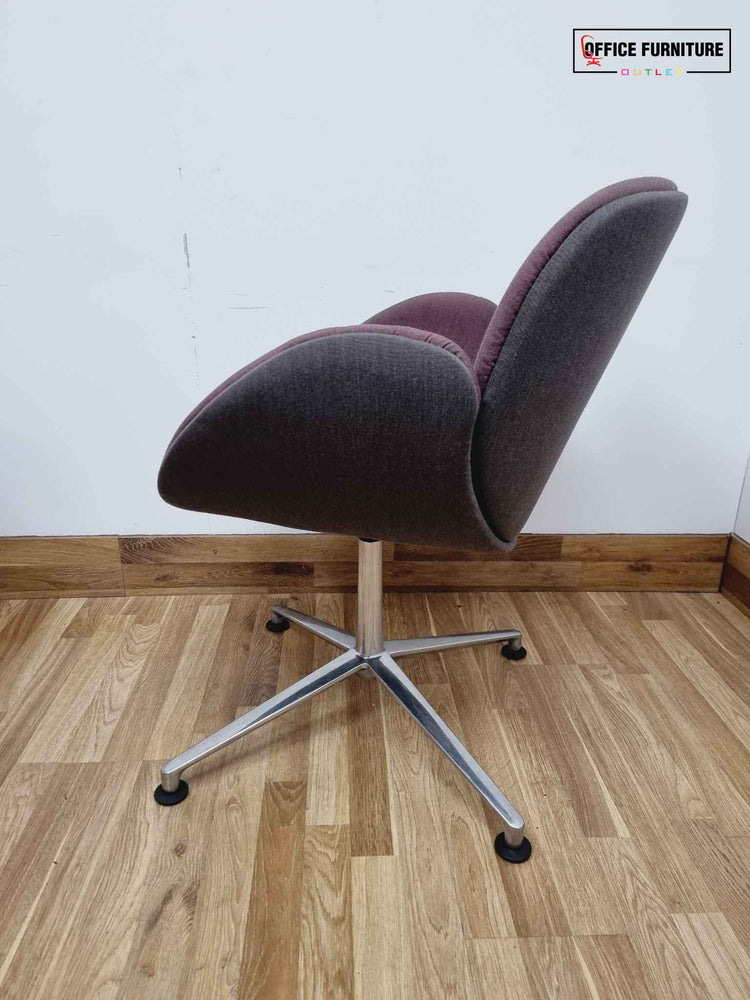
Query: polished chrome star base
[[369, 652]]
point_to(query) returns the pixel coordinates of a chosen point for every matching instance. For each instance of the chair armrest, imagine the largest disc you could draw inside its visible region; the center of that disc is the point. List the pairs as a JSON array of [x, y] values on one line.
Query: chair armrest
[[357, 430]]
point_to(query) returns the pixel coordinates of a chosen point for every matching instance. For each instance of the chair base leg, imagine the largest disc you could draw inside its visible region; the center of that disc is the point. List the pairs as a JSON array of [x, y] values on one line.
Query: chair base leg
[[367, 652]]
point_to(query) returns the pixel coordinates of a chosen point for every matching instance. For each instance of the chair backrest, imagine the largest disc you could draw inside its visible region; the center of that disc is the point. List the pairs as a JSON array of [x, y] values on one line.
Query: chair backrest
[[553, 334]]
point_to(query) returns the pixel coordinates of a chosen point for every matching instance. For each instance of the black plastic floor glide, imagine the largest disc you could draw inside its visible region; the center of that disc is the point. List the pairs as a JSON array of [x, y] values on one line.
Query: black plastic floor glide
[[513, 654], [516, 855], [280, 626], [171, 798]]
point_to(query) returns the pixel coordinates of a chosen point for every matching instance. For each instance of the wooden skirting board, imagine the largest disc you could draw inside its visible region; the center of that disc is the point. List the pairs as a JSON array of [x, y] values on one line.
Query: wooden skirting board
[[735, 583], [110, 566]]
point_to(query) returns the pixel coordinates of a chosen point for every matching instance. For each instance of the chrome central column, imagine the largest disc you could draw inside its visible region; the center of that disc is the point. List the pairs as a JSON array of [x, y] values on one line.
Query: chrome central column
[[369, 640]]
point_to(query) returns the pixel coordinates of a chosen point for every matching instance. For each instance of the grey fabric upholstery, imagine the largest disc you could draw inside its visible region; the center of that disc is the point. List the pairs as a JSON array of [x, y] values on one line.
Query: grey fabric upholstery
[[558, 347], [353, 432], [505, 314], [403, 331], [390, 430]]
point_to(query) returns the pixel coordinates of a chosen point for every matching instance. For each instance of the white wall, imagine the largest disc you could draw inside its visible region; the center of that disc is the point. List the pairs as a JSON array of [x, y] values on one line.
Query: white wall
[[324, 160]]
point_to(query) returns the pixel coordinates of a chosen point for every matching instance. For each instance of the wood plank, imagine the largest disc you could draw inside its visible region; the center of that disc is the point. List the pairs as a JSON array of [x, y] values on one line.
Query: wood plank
[[716, 639], [668, 576], [21, 790], [75, 694], [18, 627], [723, 964], [687, 748], [169, 550], [612, 966], [686, 704], [23, 723], [86, 550], [427, 576], [437, 952], [92, 615], [223, 691], [668, 967], [289, 755], [98, 939], [555, 969], [574, 768], [138, 719], [260, 672], [56, 566], [498, 970], [217, 931], [644, 548], [59, 581], [90, 737], [736, 586], [553, 640], [485, 910], [738, 555], [29, 867], [729, 870], [216, 578], [646, 605], [628, 762], [168, 897], [146, 610], [10, 609], [379, 934], [727, 704], [528, 548], [369, 793], [21, 666], [728, 608], [492, 575], [483, 613], [409, 615], [75, 864], [271, 948], [328, 773], [570, 894], [326, 916], [175, 724], [498, 611]]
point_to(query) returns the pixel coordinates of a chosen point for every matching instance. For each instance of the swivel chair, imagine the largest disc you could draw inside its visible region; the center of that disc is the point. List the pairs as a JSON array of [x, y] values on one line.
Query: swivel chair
[[437, 421]]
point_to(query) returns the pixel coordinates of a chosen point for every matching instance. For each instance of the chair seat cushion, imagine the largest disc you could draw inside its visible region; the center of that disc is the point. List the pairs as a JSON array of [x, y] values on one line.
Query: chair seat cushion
[[460, 317]]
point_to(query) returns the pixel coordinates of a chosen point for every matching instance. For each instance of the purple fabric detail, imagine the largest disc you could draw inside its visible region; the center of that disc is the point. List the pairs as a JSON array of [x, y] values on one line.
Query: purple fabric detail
[[436, 339], [506, 312], [460, 317]]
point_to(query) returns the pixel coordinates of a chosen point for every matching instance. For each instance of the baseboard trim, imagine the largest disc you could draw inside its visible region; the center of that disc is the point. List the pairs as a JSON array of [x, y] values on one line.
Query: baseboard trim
[[735, 581], [109, 565]]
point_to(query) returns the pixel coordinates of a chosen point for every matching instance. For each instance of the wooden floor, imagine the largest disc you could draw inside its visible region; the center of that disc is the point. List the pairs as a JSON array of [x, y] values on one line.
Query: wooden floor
[[335, 853]]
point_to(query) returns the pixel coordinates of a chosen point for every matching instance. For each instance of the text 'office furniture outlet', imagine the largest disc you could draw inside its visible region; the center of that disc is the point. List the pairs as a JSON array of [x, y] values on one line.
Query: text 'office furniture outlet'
[[437, 421]]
